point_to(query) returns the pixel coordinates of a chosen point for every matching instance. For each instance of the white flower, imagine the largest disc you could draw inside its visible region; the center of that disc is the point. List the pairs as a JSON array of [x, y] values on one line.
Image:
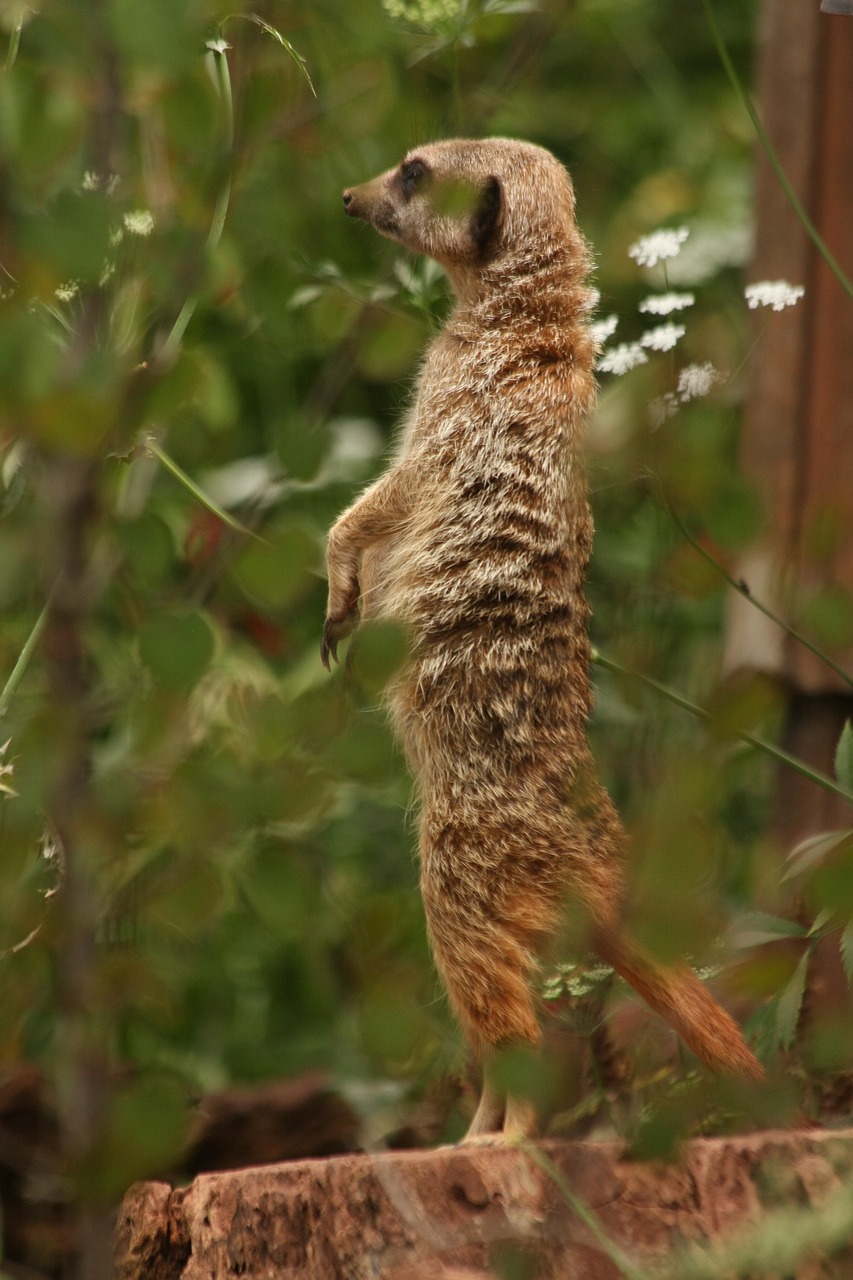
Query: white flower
[[649, 250], [712, 246], [663, 337], [696, 380], [660, 304], [628, 355], [426, 13], [777, 294], [94, 182], [662, 408], [67, 291], [6, 771], [601, 330], [139, 223]]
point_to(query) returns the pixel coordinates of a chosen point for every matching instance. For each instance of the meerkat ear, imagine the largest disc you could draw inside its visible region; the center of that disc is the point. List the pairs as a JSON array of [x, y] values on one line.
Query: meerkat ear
[[488, 214]]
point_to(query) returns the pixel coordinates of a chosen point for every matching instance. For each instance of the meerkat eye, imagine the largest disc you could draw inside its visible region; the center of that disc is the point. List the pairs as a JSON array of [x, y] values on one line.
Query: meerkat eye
[[410, 175]]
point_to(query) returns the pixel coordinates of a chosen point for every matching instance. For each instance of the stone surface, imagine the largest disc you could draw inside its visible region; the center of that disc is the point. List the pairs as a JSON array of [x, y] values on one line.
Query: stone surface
[[452, 1214]]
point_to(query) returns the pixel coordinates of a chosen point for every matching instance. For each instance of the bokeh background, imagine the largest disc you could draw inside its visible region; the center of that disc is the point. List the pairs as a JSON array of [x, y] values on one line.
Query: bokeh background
[[207, 863]]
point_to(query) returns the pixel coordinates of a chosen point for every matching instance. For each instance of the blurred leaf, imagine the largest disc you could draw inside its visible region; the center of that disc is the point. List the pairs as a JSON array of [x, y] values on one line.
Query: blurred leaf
[[197, 492], [160, 34], [280, 887], [790, 1002], [816, 849], [844, 757], [187, 898], [277, 572], [847, 950], [391, 1021], [831, 883], [146, 1124], [72, 234], [148, 547], [377, 653], [828, 616], [757, 927], [176, 648]]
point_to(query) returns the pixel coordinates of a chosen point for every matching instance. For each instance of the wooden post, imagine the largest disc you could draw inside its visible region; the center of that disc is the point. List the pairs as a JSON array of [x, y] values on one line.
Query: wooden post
[[797, 444]]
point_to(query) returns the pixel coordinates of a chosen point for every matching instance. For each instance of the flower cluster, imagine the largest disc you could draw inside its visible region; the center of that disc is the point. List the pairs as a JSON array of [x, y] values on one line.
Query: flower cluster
[[777, 294], [694, 380], [663, 337], [428, 14], [623, 358], [139, 223], [649, 250], [661, 304], [601, 330]]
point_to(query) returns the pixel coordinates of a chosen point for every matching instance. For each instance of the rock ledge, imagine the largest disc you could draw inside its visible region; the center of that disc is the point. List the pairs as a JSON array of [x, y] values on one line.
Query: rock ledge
[[451, 1214]]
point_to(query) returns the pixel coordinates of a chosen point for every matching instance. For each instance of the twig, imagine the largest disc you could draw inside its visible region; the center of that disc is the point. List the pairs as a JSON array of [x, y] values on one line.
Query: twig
[[743, 589], [814, 775]]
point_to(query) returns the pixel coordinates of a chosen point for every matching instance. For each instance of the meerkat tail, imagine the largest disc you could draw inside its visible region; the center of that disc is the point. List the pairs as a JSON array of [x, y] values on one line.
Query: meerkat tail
[[680, 998]]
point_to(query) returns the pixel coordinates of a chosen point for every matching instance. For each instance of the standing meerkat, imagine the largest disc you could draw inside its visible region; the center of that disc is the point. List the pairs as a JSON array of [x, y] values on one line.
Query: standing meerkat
[[476, 539]]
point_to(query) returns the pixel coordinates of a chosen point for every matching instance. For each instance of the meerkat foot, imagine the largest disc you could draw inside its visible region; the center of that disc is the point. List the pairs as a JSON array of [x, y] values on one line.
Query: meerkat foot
[[488, 1118], [334, 630], [499, 1120], [520, 1119]]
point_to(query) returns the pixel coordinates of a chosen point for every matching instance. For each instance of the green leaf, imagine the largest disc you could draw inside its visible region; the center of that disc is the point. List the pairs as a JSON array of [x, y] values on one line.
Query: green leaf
[[815, 850], [196, 491], [847, 950], [378, 652], [844, 757], [278, 572], [176, 648], [790, 1002], [758, 927]]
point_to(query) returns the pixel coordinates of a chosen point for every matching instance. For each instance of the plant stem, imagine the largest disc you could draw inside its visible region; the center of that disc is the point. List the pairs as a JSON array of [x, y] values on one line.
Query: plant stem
[[197, 492], [14, 43], [794, 201], [23, 662], [627, 1267], [217, 53], [743, 589], [814, 775]]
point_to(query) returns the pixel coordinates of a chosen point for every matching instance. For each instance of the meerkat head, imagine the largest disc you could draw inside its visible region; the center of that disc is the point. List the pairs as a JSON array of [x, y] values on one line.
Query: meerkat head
[[472, 204]]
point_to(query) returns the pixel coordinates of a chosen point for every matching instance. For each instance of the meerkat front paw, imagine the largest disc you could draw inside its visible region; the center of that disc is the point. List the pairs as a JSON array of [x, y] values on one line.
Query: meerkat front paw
[[335, 629]]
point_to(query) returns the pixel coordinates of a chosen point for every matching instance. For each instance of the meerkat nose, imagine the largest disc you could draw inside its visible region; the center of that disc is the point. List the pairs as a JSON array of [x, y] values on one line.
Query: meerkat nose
[[347, 200]]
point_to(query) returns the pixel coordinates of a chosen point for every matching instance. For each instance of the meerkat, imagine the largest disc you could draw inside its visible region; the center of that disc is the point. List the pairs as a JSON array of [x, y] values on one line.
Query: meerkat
[[476, 540]]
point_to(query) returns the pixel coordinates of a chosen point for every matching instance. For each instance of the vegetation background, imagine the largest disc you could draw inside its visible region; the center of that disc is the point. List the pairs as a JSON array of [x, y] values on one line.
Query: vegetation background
[[207, 866]]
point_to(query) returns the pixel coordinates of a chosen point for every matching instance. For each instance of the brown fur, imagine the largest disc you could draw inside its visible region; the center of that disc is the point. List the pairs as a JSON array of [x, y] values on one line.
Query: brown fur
[[477, 539]]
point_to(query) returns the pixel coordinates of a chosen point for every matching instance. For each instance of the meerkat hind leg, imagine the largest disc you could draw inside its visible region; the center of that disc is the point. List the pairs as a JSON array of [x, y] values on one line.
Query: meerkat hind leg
[[489, 1116]]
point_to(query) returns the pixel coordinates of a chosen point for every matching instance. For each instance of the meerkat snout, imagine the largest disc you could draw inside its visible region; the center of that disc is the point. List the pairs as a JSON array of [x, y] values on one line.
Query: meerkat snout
[[347, 201]]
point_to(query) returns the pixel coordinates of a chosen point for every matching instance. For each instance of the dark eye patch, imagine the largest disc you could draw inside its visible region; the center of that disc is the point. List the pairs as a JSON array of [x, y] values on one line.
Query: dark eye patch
[[411, 173]]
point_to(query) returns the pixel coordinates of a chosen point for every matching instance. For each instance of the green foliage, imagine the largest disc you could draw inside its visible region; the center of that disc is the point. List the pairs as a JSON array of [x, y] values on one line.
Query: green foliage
[[184, 309]]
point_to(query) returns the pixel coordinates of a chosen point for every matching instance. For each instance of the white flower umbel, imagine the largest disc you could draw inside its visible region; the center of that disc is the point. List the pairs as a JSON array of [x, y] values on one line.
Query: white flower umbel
[[621, 359], [661, 304], [777, 294], [663, 337], [662, 408], [649, 250], [601, 330], [696, 380], [139, 223]]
